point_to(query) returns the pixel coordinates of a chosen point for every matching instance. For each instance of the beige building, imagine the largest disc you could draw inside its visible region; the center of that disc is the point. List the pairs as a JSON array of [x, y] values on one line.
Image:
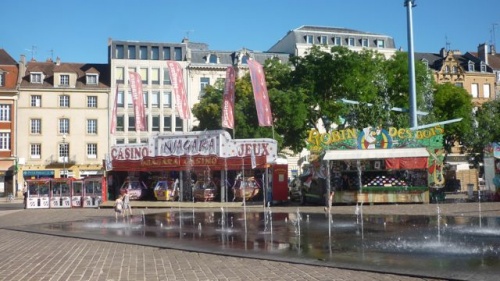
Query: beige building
[[462, 70], [62, 115]]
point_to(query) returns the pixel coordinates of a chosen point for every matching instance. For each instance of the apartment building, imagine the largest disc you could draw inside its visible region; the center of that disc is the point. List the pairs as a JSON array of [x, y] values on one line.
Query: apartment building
[[298, 41], [201, 67], [491, 58], [9, 71], [62, 115], [463, 70], [147, 59]]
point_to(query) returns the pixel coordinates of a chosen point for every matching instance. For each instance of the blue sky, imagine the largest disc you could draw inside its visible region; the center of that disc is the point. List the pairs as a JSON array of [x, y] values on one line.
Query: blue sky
[[78, 30]]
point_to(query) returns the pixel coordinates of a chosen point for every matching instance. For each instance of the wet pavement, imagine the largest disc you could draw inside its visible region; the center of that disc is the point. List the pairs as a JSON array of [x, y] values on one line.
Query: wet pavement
[[29, 255]]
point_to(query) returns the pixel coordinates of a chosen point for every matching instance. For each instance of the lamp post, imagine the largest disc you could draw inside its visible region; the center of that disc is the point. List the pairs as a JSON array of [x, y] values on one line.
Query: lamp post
[[64, 155], [409, 4]]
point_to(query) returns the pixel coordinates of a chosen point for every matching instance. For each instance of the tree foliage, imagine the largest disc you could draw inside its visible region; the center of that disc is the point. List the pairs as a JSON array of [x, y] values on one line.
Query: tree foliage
[[314, 88]]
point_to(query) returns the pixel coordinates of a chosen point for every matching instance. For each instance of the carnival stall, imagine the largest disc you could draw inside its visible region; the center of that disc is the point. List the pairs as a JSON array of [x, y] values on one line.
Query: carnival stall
[[374, 165], [205, 163]]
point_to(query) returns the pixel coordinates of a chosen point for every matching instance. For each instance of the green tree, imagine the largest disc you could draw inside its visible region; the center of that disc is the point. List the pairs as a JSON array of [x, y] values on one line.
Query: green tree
[[288, 109], [451, 102], [486, 129]]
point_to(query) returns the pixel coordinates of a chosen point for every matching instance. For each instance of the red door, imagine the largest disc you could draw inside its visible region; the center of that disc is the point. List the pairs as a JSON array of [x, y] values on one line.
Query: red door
[[280, 182]]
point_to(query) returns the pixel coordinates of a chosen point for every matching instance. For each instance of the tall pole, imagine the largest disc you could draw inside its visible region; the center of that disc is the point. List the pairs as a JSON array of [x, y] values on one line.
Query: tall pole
[[409, 4]]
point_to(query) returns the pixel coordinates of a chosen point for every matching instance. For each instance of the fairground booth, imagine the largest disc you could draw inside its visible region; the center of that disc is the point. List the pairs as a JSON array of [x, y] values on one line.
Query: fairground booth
[[198, 166], [58, 193], [375, 165]]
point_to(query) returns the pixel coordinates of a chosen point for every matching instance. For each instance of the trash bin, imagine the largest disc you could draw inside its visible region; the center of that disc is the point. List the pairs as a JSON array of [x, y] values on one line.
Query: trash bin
[[470, 191]]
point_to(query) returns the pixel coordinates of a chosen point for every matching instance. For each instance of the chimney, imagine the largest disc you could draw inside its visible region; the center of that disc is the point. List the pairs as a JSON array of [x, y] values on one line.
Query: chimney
[[482, 52], [492, 50], [443, 52], [58, 61]]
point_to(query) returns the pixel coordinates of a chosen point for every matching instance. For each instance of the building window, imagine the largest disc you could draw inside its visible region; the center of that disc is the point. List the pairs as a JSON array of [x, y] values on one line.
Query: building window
[[64, 80], [351, 41], [337, 41], [131, 52], [155, 76], [155, 53], [365, 42], [144, 75], [426, 63], [92, 150], [167, 123], [4, 141], [63, 101], [92, 126], [454, 69], [446, 69], [486, 91], [459, 84], [92, 101], [212, 58], [120, 99], [130, 102], [166, 77], [471, 66], [145, 97], [120, 141], [64, 151], [474, 90], [204, 82], [155, 99], [36, 150], [132, 141], [167, 99], [178, 53], [36, 101], [244, 59], [36, 77], [119, 52], [323, 39], [166, 53], [119, 74], [380, 43], [483, 67], [64, 126], [156, 124], [36, 126], [92, 79], [131, 123], [309, 39], [120, 123], [143, 52], [178, 124], [2, 79], [4, 112]]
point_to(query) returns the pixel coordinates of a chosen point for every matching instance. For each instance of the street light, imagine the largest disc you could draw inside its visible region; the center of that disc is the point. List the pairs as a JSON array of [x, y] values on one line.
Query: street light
[[64, 155]]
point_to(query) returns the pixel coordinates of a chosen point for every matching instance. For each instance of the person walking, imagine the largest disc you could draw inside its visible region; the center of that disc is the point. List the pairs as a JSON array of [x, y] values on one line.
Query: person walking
[[118, 207], [127, 209]]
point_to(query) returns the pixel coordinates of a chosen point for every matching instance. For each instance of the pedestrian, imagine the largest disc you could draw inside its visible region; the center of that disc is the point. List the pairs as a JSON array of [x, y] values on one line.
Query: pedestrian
[[127, 209], [25, 195], [118, 207]]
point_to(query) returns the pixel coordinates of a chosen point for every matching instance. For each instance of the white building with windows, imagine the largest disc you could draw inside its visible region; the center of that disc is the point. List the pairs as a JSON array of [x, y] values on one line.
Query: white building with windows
[[147, 59], [298, 41], [62, 119], [201, 67]]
